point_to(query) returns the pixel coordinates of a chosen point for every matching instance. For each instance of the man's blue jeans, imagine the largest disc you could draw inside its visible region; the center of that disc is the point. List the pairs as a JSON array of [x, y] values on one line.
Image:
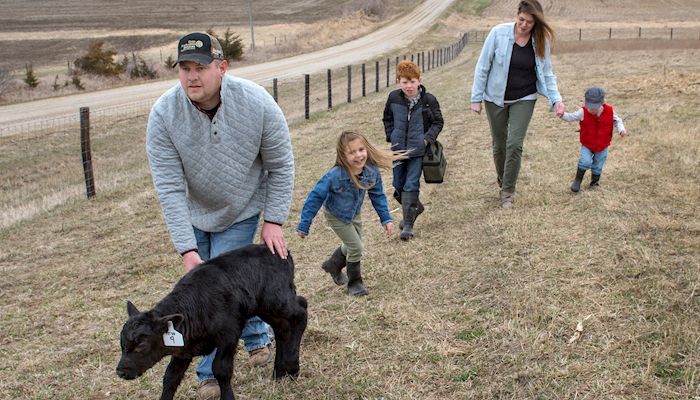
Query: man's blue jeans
[[593, 161], [407, 174], [211, 244]]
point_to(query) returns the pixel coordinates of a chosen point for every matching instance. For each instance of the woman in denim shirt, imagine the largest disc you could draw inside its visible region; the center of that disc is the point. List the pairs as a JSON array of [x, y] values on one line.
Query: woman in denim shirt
[[342, 190], [514, 66]]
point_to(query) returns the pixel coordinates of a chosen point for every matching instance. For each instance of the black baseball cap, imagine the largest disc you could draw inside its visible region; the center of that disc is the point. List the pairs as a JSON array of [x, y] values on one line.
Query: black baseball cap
[[198, 47]]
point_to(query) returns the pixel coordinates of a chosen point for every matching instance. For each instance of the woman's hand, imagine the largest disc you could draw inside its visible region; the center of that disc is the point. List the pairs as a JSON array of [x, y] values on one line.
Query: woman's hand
[[559, 109], [476, 107]]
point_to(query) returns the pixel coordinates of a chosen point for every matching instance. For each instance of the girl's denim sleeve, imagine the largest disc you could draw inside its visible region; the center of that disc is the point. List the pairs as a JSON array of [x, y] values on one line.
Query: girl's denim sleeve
[[313, 203], [483, 66], [379, 202]]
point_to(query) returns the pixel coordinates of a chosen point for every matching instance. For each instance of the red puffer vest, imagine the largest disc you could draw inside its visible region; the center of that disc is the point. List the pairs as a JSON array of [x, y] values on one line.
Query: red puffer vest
[[596, 132]]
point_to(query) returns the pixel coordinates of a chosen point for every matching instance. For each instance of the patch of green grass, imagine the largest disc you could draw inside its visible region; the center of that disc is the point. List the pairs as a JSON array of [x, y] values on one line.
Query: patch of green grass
[[471, 334], [465, 376], [668, 371]]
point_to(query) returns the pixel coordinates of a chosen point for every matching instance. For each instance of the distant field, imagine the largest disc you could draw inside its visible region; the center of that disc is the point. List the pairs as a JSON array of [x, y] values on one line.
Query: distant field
[[45, 32]]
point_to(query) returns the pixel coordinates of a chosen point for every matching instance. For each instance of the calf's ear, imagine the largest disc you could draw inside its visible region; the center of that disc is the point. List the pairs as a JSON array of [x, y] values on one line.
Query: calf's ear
[[131, 309], [177, 320]]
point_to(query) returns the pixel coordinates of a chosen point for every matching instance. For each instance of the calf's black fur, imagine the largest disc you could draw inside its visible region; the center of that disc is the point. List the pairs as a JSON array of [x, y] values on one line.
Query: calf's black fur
[[209, 306]]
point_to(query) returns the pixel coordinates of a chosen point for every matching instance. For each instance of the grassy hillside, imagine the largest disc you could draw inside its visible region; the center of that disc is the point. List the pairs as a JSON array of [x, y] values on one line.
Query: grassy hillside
[[481, 305]]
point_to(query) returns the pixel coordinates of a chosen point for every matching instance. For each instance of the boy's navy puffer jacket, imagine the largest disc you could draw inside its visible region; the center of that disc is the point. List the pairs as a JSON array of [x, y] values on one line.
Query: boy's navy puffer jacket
[[425, 122]]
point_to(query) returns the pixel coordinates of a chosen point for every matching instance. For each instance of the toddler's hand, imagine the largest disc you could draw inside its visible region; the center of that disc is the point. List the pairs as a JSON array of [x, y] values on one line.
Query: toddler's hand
[[389, 228], [301, 234], [623, 133]]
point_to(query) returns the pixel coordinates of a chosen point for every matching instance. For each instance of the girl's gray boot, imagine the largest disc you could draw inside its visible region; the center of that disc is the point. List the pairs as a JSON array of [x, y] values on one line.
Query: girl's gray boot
[[334, 266], [355, 286]]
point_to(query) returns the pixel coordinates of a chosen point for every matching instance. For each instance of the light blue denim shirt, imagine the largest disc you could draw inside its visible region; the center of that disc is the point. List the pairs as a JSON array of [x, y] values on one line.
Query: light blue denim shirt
[[491, 72], [336, 191]]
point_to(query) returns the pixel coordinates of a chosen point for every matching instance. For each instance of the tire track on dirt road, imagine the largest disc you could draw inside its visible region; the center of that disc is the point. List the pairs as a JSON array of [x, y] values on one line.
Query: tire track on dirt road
[[395, 35]]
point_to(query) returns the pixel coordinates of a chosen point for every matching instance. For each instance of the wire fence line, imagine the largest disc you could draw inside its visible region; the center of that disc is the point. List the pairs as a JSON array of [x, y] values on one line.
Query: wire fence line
[[296, 102]]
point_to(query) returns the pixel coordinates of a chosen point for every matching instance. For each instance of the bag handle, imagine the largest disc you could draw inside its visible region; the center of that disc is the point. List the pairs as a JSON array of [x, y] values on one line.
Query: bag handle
[[429, 151]]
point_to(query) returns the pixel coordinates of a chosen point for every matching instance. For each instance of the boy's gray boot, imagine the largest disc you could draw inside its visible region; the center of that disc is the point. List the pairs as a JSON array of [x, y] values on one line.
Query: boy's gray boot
[[334, 266], [419, 209], [409, 202], [576, 186], [594, 181], [355, 286]]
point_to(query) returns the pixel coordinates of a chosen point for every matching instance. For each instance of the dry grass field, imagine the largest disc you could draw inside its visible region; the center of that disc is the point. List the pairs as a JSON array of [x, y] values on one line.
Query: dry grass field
[[481, 305]]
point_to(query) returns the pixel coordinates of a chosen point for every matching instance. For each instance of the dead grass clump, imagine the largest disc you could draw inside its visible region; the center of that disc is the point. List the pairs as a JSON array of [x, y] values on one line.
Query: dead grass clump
[[374, 8]]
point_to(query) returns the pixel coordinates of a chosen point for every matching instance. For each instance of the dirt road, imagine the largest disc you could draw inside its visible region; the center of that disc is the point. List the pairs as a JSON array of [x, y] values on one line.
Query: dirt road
[[399, 33]]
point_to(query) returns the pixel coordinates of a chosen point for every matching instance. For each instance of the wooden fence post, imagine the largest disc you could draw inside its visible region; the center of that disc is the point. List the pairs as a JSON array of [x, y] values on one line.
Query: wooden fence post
[[330, 89], [349, 83], [640, 32], [363, 80], [86, 152], [376, 80], [388, 70], [274, 89], [610, 33], [306, 96]]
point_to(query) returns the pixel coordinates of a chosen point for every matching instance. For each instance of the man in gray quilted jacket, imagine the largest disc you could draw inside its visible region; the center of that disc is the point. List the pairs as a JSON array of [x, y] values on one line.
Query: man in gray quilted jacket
[[221, 159]]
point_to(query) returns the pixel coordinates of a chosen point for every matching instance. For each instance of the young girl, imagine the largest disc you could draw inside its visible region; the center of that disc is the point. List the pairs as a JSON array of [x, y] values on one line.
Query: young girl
[[342, 191]]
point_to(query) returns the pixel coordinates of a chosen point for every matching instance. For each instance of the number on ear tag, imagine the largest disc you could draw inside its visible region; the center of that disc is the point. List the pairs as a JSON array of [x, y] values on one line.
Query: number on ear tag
[[173, 338]]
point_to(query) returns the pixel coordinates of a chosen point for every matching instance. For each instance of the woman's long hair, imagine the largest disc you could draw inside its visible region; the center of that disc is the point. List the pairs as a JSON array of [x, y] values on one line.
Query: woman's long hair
[[542, 31], [381, 158]]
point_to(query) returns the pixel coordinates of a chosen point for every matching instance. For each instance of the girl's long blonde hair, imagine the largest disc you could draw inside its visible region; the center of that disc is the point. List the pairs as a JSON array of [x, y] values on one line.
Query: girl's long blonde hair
[[379, 157], [542, 31]]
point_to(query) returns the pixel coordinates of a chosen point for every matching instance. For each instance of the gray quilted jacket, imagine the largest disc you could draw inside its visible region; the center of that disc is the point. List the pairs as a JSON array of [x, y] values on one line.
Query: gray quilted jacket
[[212, 174]]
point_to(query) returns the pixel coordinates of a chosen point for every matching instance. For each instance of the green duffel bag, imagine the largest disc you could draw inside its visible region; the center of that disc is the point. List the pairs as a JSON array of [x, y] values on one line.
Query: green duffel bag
[[434, 163]]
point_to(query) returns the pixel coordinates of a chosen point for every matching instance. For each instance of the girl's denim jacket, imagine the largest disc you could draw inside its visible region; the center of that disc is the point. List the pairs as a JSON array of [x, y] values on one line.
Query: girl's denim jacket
[[491, 72], [343, 199]]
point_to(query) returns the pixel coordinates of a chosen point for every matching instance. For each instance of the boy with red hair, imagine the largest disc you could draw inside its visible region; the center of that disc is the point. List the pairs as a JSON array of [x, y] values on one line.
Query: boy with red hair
[[412, 120]]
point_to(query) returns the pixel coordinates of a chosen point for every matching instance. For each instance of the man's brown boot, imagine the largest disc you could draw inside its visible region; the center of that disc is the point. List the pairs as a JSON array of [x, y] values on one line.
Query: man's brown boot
[[208, 390]]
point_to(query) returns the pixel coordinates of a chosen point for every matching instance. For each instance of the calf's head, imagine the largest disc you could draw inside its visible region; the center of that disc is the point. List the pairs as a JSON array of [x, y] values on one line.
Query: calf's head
[[142, 341]]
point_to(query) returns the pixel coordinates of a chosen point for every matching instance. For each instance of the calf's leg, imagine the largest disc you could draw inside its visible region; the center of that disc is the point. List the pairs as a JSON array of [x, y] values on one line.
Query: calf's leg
[[173, 376], [223, 370], [289, 325]]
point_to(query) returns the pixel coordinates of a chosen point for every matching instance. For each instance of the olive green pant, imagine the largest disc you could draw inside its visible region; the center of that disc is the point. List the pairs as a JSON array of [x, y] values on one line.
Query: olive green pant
[[508, 129], [350, 234]]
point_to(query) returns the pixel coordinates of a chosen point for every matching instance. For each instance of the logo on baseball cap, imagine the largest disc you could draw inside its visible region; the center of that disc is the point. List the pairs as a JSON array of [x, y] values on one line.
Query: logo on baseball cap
[[198, 47]]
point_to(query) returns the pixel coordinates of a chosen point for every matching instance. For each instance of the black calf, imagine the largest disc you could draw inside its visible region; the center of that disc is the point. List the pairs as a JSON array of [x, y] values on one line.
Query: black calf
[[209, 307]]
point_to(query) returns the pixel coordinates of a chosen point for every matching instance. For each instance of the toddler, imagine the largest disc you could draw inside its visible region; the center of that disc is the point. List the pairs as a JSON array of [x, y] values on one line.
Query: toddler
[[596, 120]]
